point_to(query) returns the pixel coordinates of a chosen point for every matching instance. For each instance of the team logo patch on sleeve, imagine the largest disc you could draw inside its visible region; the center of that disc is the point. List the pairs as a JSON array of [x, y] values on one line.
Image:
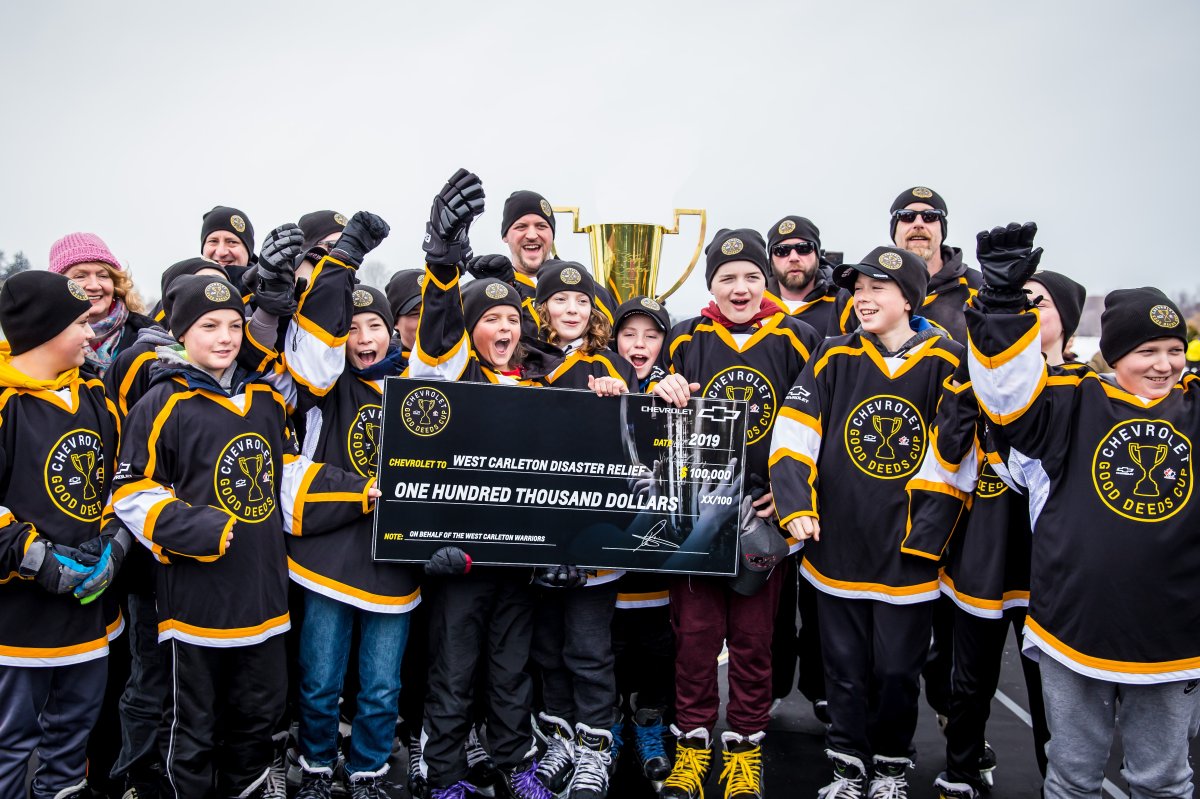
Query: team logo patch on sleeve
[[245, 478], [425, 411], [74, 475], [885, 437], [750, 386], [1142, 470], [362, 439]]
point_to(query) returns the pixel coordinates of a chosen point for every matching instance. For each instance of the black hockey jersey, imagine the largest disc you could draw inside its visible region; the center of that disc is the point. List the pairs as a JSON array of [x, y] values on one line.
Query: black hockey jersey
[[825, 307], [58, 441], [853, 431], [343, 419], [758, 366], [200, 463], [1116, 531]]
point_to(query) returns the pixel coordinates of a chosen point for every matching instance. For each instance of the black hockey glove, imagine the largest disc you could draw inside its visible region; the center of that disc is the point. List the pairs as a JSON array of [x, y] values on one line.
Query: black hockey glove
[[363, 233], [109, 549], [1007, 259], [497, 266], [277, 260], [448, 562], [56, 567], [561, 577], [454, 208]]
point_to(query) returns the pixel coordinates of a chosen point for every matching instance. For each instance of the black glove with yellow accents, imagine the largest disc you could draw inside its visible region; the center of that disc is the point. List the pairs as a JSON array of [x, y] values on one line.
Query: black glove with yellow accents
[[1007, 259]]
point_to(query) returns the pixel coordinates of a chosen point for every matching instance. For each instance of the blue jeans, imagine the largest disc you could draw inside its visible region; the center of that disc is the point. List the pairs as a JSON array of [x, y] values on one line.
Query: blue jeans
[[324, 652]]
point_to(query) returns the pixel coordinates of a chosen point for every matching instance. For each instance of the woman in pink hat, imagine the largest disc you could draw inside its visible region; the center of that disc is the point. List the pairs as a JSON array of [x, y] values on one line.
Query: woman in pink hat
[[117, 310]]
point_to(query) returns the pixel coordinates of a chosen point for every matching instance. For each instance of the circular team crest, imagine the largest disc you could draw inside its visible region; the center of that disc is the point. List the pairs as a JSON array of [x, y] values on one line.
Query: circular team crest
[[570, 276], [76, 290], [546, 209], [74, 475], [732, 246], [890, 260], [338, 219], [651, 304], [237, 223], [363, 438], [496, 291], [922, 192], [786, 227], [989, 485], [217, 292], [361, 298], [425, 412], [885, 437], [1164, 316], [750, 386], [245, 478], [1142, 470]]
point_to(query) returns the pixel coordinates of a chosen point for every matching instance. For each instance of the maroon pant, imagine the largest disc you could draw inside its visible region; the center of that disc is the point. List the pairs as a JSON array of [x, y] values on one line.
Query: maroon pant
[[705, 614]]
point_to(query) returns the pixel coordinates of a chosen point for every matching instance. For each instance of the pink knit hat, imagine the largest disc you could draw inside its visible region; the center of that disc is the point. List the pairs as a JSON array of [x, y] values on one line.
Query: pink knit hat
[[78, 248]]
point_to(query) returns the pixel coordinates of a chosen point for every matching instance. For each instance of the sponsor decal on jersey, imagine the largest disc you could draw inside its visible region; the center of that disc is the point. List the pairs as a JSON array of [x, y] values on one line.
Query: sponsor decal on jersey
[[425, 411], [750, 386], [74, 475], [989, 485], [1142, 470], [244, 478], [885, 437], [362, 439]]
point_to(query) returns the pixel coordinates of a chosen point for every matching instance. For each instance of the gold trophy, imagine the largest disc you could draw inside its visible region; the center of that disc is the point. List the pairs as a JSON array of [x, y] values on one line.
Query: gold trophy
[[625, 256], [884, 451], [1137, 452], [85, 464], [252, 467]]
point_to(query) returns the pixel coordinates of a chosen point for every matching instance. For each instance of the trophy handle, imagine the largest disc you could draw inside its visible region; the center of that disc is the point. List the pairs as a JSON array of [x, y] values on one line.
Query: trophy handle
[[700, 212], [574, 212]]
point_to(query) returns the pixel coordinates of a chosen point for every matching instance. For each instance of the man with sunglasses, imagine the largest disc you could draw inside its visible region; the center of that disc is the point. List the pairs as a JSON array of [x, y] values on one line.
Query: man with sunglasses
[[801, 282], [919, 226]]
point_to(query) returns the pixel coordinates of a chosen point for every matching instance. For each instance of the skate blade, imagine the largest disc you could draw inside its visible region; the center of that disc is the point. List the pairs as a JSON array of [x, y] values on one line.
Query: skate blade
[[988, 778]]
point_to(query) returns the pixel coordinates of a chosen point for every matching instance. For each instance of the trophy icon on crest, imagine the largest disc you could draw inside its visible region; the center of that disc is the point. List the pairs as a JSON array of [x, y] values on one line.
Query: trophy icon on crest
[[626, 256], [371, 429], [1147, 486], [252, 467], [85, 464], [884, 451], [743, 393]]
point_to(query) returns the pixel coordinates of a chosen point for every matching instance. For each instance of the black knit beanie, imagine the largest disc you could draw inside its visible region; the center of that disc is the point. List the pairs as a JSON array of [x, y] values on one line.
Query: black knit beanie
[[647, 306], [191, 296], [320, 225], [1068, 297], [520, 203], [480, 295], [793, 227], [918, 194], [554, 276], [742, 244], [1134, 316], [223, 217], [404, 292], [890, 263], [368, 299], [188, 266], [36, 306]]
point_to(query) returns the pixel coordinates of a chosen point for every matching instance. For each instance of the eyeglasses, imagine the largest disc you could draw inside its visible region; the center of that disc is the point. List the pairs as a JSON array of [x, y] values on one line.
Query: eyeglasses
[[928, 216], [801, 248]]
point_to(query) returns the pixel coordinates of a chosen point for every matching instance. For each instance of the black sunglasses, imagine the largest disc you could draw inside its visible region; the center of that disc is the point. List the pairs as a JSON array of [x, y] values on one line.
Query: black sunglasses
[[801, 248], [928, 217]]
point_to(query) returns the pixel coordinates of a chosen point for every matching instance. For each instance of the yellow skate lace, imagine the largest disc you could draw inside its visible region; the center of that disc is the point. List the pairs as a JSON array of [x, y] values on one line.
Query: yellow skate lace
[[742, 773], [691, 767]]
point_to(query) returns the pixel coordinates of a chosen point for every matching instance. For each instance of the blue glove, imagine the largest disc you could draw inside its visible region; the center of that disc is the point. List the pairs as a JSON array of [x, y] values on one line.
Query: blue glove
[[113, 545]]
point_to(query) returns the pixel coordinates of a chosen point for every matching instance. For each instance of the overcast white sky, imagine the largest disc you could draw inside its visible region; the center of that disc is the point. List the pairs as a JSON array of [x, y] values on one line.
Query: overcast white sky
[[130, 119]]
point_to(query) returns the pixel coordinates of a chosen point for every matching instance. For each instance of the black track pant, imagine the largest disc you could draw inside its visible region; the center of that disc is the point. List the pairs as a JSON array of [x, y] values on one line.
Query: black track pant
[[487, 614], [812, 670], [222, 706], [873, 656], [978, 653]]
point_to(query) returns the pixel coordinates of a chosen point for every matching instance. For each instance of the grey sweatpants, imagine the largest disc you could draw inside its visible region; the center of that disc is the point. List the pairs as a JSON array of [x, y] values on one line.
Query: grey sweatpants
[[1155, 720]]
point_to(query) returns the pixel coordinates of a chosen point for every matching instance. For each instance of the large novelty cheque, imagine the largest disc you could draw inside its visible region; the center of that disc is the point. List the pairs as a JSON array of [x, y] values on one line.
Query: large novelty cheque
[[540, 477]]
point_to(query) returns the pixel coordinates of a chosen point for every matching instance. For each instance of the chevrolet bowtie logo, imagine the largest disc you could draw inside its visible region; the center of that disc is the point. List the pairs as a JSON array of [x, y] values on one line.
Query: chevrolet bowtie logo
[[719, 413]]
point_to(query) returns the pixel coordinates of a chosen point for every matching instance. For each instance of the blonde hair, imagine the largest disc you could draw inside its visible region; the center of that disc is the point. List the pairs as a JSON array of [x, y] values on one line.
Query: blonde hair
[[124, 290], [595, 338]]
